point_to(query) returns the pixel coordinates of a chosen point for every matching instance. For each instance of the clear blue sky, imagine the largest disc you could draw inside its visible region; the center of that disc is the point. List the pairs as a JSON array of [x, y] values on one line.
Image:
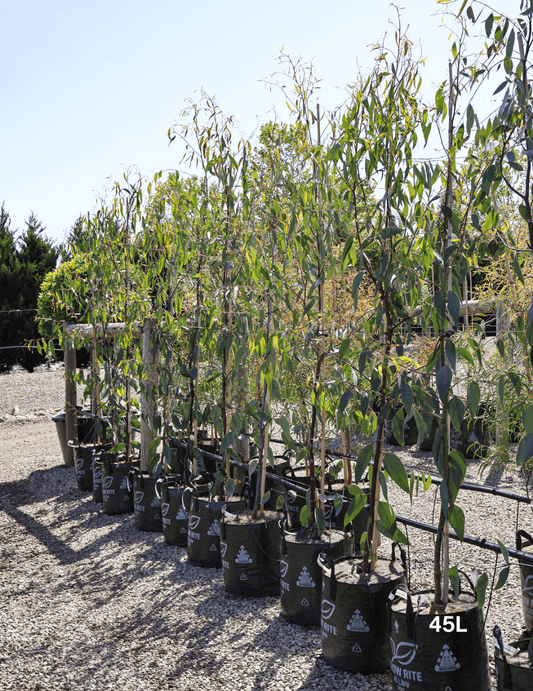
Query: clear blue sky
[[91, 88]]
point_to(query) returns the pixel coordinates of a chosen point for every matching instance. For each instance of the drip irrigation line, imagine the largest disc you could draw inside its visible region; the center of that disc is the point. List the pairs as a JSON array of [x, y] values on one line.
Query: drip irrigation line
[[522, 557], [25, 347], [472, 487], [469, 486]]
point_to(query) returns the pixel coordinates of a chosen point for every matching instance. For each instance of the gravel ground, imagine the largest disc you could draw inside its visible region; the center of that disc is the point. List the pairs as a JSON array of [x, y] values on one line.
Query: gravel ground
[[89, 602]]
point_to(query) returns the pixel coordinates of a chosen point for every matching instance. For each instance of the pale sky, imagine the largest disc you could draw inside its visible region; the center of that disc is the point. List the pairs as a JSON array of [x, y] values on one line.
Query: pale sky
[[89, 89]]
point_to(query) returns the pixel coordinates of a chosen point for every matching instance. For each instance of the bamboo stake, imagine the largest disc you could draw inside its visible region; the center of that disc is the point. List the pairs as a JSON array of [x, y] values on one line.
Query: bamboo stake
[[149, 356], [322, 324], [449, 203]]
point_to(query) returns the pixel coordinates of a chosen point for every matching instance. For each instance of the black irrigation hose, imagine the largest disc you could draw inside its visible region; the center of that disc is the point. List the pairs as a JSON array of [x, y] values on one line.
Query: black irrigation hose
[[469, 486], [485, 490], [476, 541], [277, 478]]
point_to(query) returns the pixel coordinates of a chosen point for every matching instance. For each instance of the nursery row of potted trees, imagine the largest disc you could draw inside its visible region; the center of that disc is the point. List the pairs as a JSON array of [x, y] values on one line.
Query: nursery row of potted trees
[[316, 281]]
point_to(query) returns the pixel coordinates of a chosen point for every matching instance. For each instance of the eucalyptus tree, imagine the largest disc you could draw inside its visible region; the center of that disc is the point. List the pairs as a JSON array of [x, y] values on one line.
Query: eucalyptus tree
[[375, 140], [508, 133], [209, 144]]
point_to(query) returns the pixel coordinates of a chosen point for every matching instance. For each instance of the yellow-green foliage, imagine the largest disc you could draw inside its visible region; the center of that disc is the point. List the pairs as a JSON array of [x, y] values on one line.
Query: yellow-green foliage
[[58, 301]]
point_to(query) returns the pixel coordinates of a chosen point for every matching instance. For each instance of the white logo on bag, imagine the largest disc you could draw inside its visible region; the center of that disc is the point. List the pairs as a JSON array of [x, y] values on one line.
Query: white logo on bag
[[79, 463], [304, 603], [108, 482], [183, 530], [138, 497], [165, 508], [328, 510], [305, 580], [447, 661], [97, 472], [213, 548], [404, 652], [181, 515], [528, 587], [214, 529], [244, 577], [356, 649], [327, 609], [357, 623], [223, 548], [283, 567], [243, 557], [193, 521]]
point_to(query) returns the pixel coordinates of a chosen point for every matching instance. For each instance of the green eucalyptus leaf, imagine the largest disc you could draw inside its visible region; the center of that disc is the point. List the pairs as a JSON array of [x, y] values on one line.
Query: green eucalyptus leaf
[[504, 551], [398, 428], [345, 399], [387, 524], [355, 288], [454, 306], [456, 517], [481, 589], [320, 520], [474, 396], [527, 419], [363, 461], [455, 580], [464, 353], [396, 469], [456, 409], [407, 397], [502, 577], [444, 380], [525, 450], [305, 516], [230, 488], [451, 357]]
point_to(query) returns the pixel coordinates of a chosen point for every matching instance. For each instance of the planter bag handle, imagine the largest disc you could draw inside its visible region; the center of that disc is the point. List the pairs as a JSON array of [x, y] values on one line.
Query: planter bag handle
[[324, 559], [74, 443], [288, 471], [222, 523], [403, 554], [410, 616], [131, 478], [498, 638], [194, 498], [161, 484], [282, 529], [469, 582], [522, 534]]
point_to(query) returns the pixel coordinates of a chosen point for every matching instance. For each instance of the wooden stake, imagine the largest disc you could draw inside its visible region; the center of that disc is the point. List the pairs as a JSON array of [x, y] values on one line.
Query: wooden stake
[[71, 415]]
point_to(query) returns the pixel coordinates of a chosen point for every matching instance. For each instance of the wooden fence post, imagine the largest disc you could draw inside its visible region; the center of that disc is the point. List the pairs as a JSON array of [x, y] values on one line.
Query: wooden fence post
[[71, 415]]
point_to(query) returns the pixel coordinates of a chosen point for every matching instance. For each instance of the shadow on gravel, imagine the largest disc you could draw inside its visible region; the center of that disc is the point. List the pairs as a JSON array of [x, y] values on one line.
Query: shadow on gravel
[[60, 500]]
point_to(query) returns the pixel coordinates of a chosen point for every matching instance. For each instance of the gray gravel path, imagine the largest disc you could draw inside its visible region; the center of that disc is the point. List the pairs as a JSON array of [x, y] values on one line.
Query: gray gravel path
[[89, 602]]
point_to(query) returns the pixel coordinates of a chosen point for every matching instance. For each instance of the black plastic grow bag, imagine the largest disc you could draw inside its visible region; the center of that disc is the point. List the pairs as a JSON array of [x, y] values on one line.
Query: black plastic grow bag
[[146, 502], [438, 651], [203, 531], [301, 575], [354, 613], [116, 496], [250, 552]]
